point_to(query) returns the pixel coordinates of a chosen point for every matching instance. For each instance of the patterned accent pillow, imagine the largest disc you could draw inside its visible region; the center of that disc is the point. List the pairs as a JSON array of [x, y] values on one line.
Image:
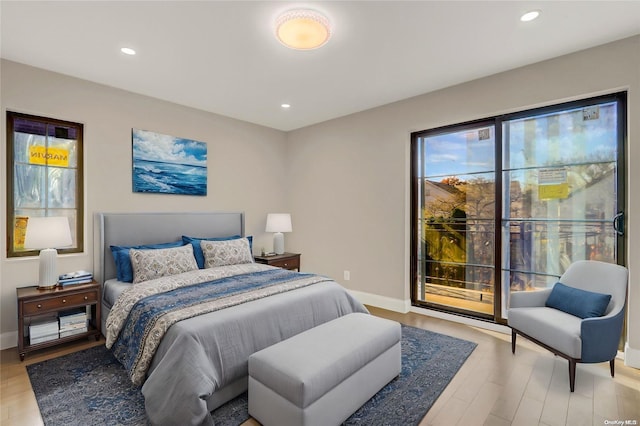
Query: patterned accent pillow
[[150, 264], [229, 252]]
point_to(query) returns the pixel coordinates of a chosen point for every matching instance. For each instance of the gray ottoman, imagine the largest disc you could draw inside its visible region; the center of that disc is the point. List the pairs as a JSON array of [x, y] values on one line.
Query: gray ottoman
[[323, 375]]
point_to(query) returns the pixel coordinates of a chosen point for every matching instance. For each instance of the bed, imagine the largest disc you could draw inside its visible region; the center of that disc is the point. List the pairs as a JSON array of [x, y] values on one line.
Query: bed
[[198, 360]]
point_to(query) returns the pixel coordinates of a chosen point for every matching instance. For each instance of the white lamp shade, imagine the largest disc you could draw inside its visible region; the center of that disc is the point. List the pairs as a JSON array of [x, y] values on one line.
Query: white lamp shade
[[278, 222], [47, 232]]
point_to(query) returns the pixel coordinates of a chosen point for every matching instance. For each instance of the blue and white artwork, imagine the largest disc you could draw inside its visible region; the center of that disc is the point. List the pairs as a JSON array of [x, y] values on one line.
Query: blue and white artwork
[[167, 164]]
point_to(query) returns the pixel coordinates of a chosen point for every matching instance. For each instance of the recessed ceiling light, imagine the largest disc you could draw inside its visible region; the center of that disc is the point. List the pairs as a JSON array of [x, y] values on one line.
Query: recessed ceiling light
[[303, 29], [128, 51], [530, 16], [285, 106]]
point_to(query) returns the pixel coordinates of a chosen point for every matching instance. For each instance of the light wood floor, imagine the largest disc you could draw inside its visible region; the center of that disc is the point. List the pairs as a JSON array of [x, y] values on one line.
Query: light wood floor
[[493, 387]]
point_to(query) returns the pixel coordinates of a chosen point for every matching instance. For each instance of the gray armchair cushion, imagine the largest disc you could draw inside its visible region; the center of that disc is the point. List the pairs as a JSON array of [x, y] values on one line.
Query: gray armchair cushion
[[529, 299], [550, 326]]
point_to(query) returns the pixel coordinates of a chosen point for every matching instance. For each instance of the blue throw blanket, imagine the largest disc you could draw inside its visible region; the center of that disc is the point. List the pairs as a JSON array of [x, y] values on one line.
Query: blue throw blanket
[[151, 316]]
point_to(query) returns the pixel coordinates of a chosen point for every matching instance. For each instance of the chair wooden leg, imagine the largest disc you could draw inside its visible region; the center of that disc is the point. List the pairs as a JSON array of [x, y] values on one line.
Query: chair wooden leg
[[612, 364], [572, 374]]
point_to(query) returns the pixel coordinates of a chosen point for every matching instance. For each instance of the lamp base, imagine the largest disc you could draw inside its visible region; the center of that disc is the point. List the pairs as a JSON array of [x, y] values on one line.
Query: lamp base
[[47, 287], [278, 243], [48, 271]]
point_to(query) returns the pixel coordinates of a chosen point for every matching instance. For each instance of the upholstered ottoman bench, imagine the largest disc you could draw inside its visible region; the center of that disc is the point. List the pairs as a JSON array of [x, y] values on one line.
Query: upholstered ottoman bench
[[323, 375]]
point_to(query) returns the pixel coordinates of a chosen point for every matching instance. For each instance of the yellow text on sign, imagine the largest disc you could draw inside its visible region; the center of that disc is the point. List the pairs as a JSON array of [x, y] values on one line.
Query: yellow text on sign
[[550, 192], [49, 156]]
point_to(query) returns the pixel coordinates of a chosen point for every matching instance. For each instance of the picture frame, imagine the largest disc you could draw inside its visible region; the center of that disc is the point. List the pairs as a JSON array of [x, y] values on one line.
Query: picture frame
[[168, 164]]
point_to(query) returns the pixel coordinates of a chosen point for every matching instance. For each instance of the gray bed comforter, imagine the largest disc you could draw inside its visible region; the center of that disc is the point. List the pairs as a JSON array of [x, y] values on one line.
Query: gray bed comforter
[[201, 362]]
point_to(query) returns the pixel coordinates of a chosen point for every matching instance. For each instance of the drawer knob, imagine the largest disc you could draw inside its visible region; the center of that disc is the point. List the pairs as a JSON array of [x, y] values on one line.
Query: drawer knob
[[64, 300], [39, 306], [286, 264], [86, 298]]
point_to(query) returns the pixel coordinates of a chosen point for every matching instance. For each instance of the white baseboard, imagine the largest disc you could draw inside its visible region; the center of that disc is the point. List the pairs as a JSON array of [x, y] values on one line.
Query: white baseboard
[[389, 303], [631, 356], [486, 325], [8, 340], [404, 306]]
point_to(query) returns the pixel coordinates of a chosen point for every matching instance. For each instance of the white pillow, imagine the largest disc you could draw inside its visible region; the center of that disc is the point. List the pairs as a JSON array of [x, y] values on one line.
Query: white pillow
[[228, 252], [150, 264]]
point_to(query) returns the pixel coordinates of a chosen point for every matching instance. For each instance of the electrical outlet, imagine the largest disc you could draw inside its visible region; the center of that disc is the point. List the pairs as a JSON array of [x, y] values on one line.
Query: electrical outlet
[[347, 275]]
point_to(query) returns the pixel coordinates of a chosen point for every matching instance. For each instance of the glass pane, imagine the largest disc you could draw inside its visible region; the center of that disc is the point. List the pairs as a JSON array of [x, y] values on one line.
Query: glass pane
[[22, 144], [528, 281], [462, 152], [581, 135], [560, 194], [550, 247], [29, 184], [457, 231], [587, 192], [62, 188], [68, 148]]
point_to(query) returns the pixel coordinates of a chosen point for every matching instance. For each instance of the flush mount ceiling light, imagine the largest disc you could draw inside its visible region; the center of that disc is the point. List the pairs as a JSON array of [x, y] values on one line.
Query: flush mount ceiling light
[[128, 51], [530, 16], [303, 29]]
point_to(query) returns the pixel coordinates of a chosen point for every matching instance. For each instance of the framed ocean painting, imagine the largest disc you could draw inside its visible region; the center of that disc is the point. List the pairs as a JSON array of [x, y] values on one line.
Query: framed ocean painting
[[168, 164]]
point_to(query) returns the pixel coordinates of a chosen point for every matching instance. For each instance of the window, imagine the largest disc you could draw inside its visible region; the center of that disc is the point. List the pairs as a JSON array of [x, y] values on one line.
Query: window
[[507, 203], [44, 177]]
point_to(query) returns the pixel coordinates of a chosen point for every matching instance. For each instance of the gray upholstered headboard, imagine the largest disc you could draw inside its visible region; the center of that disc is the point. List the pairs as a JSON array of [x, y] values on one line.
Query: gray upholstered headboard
[[124, 229]]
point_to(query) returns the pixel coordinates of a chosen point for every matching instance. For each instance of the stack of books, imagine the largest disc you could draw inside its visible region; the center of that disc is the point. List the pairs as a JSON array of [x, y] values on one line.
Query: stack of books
[[43, 329], [78, 277], [73, 322]]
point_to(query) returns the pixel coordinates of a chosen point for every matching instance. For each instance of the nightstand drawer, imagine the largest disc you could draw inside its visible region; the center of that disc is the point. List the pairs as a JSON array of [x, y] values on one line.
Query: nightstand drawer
[[285, 261], [293, 263], [59, 302]]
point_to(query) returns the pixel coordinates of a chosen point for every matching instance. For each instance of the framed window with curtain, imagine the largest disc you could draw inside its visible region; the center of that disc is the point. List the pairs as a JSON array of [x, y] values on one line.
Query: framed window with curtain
[[44, 177]]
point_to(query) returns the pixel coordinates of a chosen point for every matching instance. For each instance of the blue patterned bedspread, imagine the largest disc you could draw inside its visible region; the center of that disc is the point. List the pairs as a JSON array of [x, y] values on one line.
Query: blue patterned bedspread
[[151, 316]]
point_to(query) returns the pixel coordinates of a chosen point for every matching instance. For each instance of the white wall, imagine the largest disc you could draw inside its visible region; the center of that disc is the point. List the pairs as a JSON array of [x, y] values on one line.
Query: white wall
[[349, 177], [246, 163]]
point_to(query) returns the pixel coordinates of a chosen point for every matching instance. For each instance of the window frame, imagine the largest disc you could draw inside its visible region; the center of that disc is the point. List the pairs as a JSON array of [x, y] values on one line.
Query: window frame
[[11, 252]]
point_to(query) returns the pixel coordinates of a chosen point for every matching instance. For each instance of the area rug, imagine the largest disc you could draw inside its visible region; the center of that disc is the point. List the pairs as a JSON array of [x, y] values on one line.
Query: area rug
[[91, 387]]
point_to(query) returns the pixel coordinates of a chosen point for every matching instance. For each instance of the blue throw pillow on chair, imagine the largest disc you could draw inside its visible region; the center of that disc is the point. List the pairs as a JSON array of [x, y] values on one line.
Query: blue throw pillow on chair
[[577, 302]]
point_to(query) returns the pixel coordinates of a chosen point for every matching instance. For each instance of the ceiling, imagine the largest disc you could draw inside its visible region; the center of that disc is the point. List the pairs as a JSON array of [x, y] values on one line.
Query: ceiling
[[222, 56]]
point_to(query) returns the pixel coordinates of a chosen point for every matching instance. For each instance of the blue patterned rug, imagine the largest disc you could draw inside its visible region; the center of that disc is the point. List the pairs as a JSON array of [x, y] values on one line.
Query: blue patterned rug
[[91, 387]]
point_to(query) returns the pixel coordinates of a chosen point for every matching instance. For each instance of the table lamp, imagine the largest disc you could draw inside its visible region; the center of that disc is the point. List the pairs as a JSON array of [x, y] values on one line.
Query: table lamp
[[47, 234], [278, 223]]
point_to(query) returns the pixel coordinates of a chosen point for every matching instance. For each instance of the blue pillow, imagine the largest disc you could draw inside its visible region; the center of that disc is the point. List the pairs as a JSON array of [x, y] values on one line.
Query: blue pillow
[[580, 303], [124, 270], [197, 250]]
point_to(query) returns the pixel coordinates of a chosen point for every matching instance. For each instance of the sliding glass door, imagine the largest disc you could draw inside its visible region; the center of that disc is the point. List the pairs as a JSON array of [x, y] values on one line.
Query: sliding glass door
[[456, 186], [506, 204], [562, 191]]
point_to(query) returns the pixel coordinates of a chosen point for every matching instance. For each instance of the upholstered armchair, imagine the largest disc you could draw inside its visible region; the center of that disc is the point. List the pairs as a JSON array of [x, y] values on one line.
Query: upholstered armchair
[[576, 319]]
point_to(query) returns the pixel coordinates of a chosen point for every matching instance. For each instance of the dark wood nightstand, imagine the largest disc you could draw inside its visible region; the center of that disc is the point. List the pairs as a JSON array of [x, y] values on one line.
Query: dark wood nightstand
[[33, 302], [286, 261]]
